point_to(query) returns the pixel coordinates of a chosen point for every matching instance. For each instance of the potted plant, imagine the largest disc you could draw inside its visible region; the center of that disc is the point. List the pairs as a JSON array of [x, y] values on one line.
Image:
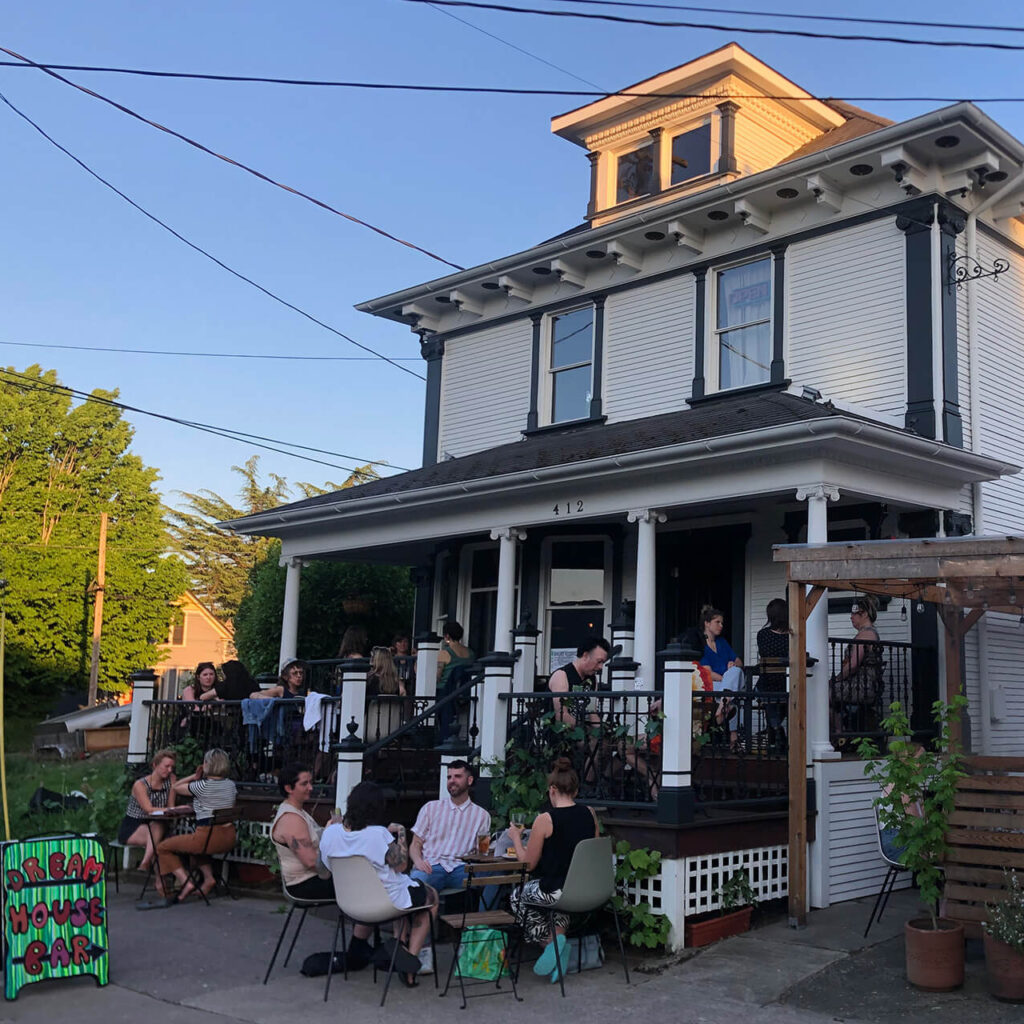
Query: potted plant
[[738, 902], [1004, 942], [918, 791]]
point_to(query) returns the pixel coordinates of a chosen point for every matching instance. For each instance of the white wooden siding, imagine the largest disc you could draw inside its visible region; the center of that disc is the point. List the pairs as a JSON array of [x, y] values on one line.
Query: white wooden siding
[[648, 349], [766, 579], [762, 143], [1001, 385], [485, 388], [1002, 674], [846, 325]]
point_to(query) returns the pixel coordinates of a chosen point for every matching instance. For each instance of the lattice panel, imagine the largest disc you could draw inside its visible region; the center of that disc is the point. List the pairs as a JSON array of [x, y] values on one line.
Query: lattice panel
[[648, 889], [767, 867]]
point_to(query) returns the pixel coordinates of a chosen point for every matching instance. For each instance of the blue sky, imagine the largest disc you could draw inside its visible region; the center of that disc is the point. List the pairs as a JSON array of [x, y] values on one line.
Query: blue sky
[[469, 177]]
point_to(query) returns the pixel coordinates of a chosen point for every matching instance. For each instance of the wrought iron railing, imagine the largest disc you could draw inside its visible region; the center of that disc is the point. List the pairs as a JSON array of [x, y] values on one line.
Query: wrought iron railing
[[613, 739], [257, 750], [865, 677]]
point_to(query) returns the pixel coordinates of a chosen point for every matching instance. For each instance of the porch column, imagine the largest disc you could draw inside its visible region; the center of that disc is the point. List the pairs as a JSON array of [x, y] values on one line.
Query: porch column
[[428, 645], [524, 639], [290, 618], [643, 620], [492, 715], [143, 684], [352, 741], [505, 612], [675, 797], [819, 747]]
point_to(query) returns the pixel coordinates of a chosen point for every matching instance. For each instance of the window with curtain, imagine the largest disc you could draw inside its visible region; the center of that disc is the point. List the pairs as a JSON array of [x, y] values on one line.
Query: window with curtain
[[743, 327]]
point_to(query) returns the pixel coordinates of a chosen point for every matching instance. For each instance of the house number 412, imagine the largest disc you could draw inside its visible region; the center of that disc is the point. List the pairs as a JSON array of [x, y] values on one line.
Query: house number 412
[[568, 508]]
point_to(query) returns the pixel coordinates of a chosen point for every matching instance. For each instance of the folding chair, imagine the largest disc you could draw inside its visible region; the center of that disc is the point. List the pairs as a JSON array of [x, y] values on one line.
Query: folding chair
[[293, 902], [478, 876], [589, 886], [361, 896], [888, 883]]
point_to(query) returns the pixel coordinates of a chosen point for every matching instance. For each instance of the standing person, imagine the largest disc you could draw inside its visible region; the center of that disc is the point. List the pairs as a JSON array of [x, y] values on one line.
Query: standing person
[[453, 662], [149, 793], [445, 831], [405, 660], [361, 834], [773, 642], [211, 790], [354, 643], [204, 683], [726, 669], [859, 683], [383, 717], [237, 684], [578, 674], [554, 836]]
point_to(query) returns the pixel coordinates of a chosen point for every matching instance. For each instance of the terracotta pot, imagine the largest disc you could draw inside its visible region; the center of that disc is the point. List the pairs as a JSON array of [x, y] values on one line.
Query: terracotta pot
[[721, 926], [935, 957], [1005, 968]]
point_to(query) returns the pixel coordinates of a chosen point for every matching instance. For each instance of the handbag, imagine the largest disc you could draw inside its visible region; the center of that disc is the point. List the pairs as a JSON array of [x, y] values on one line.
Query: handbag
[[585, 953], [482, 954]]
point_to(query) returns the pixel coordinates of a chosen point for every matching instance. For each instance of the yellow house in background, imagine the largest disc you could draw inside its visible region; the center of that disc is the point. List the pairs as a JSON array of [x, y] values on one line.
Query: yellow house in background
[[197, 636]]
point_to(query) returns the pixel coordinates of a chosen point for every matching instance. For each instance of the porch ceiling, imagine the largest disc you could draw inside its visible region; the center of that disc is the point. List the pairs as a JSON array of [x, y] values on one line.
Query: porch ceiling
[[679, 461]]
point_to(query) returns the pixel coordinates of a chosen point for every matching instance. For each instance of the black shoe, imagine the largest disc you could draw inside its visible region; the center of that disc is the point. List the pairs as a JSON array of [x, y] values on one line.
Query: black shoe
[[404, 960]]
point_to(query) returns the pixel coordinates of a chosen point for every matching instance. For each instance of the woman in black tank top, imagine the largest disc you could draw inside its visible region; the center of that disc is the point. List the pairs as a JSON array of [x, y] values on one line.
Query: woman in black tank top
[[554, 836]]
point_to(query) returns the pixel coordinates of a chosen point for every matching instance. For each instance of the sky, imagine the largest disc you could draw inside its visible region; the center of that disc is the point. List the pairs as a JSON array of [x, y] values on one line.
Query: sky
[[469, 177]]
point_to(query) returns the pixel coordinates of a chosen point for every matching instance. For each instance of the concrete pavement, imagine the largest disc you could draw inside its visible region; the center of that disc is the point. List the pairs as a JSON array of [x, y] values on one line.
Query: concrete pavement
[[203, 965]]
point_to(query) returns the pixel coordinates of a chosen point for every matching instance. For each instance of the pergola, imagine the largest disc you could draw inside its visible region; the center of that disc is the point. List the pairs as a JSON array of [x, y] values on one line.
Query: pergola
[[964, 577]]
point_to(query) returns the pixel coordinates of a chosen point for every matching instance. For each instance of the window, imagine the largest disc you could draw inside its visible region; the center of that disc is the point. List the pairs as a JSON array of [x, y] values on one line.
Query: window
[[635, 174], [691, 154], [743, 328], [570, 375], [482, 598], [178, 633], [577, 595]]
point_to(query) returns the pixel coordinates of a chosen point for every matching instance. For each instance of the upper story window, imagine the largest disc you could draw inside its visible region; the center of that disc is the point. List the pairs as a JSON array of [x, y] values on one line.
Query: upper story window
[[178, 633], [635, 173], [742, 353], [571, 364], [691, 154]]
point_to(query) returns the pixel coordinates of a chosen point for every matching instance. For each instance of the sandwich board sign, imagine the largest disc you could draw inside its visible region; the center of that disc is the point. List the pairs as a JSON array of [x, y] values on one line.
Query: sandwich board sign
[[54, 910]]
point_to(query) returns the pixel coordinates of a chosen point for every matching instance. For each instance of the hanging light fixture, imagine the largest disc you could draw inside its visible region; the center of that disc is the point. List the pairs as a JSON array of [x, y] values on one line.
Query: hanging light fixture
[[903, 611]]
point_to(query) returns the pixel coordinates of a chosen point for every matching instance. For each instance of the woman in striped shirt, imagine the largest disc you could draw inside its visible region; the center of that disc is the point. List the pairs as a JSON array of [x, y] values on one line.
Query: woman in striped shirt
[[211, 791]]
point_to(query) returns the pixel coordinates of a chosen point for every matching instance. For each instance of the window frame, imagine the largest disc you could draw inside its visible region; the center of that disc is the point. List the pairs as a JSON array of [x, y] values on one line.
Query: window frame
[[714, 333], [635, 146], [714, 139], [549, 373], [467, 590]]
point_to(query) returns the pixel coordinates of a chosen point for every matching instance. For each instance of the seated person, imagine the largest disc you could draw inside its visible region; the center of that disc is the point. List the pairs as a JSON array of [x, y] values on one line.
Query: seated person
[[152, 792], [237, 683], [726, 669], [554, 836], [361, 834], [773, 645], [297, 837]]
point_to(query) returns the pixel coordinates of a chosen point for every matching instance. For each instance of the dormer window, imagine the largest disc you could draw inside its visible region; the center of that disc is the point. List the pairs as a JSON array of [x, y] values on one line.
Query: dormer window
[[570, 366], [691, 154], [635, 173]]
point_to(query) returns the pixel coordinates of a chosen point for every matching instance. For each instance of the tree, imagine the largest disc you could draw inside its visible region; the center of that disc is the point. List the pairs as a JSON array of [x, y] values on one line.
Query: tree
[[60, 467], [322, 619], [220, 562]]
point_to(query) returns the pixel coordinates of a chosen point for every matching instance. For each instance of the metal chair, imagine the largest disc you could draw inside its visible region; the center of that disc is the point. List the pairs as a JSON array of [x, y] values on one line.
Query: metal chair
[[224, 816], [293, 901], [361, 896], [589, 886], [888, 883], [478, 876]]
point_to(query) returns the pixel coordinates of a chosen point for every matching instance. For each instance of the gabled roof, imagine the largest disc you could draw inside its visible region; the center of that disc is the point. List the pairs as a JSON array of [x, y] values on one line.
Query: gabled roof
[[858, 122]]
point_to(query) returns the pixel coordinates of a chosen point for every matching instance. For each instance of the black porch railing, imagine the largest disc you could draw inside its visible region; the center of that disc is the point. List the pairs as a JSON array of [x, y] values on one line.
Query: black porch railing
[[865, 677], [740, 753], [613, 739], [258, 750]]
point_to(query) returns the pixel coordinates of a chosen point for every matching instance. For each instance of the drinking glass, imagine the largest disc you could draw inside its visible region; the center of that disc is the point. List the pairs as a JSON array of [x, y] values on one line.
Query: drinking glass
[[483, 843]]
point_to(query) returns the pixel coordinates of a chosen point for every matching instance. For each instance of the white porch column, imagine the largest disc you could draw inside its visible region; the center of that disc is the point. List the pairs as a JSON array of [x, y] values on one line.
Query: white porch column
[[290, 617], [492, 712], [819, 747], [143, 684], [505, 611], [351, 742], [643, 621], [675, 797], [428, 645], [524, 638]]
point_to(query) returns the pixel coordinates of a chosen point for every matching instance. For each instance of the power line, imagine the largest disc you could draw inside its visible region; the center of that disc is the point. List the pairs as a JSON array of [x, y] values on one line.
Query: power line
[[512, 90], [655, 23], [229, 160], [800, 17], [511, 45], [192, 245], [195, 355], [37, 384]]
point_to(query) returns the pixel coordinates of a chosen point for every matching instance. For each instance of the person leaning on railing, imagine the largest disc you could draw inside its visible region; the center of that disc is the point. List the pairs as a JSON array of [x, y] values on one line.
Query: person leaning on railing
[[291, 684], [773, 647], [859, 679]]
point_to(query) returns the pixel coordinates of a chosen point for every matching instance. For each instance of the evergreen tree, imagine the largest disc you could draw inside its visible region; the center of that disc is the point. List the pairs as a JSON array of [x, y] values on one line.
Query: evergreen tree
[[60, 468]]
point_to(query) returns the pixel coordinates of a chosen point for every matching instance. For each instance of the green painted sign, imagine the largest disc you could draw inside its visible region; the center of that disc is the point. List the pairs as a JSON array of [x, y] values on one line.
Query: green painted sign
[[55, 911]]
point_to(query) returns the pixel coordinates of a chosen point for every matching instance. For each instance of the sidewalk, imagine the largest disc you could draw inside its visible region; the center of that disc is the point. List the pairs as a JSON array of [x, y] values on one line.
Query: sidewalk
[[203, 965]]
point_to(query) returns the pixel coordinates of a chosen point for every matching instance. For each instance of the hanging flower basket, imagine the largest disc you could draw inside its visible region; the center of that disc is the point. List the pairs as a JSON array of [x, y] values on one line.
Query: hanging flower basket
[[359, 604]]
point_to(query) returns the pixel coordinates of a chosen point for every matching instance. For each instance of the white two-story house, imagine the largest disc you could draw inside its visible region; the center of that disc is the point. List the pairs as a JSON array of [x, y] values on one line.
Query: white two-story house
[[775, 322]]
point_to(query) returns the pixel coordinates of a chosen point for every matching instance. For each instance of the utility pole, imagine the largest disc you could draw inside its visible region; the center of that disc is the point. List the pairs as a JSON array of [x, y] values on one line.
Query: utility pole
[[97, 612]]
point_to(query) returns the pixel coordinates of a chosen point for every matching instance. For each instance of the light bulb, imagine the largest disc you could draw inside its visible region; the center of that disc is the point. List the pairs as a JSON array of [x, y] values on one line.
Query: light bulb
[[903, 612]]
